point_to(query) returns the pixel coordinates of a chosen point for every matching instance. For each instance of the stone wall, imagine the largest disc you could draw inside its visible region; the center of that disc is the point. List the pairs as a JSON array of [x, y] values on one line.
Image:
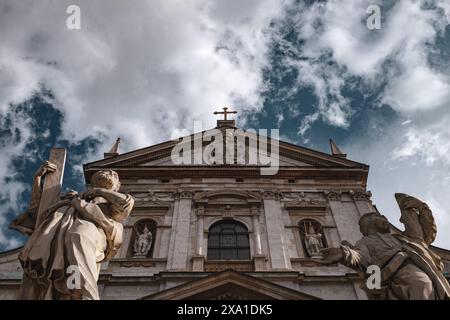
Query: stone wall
[[272, 210]]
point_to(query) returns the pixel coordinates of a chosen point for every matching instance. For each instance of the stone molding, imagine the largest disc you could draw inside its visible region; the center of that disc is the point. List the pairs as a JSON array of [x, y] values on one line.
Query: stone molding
[[271, 195], [301, 200], [333, 195], [360, 195], [152, 199], [184, 194], [251, 197]]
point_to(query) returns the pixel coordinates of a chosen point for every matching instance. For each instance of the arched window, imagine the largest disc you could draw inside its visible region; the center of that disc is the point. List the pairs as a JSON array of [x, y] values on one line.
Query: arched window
[[228, 240]]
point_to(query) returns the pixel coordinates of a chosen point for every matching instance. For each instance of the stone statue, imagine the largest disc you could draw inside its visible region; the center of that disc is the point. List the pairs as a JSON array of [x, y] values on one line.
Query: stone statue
[[61, 259], [143, 242], [409, 269], [313, 242]]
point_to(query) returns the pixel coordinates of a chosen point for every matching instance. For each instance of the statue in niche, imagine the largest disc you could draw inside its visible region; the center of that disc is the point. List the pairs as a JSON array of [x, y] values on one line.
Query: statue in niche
[[70, 237], [312, 239], [143, 242], [313, 242], [409, 269]]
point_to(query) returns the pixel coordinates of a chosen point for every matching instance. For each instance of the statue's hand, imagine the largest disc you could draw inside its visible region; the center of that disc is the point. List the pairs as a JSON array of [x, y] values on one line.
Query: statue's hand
[[69, 195], [90, 193], [331, 255], [45, 168]]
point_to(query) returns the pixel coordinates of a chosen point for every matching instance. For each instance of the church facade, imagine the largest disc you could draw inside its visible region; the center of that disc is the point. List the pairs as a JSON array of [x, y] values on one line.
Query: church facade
[[226, 231]]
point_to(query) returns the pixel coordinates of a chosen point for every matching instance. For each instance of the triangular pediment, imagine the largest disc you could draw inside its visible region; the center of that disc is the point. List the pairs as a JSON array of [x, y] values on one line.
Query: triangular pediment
[[230, 285], [289, 155]]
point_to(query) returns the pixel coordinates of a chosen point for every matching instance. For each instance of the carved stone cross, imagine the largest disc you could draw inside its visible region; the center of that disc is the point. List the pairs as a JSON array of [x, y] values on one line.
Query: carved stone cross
[[53, 182], [225, 112]]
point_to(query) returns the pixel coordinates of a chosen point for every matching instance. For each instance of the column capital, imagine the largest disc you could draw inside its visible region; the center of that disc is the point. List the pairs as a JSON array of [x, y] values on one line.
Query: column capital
[[200, 211], [275, 195], [333, 195], [360, 195], [255, 211], [182, 194]]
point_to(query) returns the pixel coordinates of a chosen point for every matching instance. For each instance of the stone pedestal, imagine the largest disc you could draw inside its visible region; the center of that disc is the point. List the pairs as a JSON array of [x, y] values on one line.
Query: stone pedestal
[[179, 240], [260, 262], [198, 263], [278, 249]]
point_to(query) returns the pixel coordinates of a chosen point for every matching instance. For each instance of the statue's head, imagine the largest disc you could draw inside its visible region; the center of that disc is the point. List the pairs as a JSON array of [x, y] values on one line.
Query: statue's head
[[311, 229], [107, 179], [146, 230], [374, 222]]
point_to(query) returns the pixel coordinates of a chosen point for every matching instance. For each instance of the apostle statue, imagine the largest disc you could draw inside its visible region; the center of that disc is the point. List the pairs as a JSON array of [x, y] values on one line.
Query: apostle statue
[[71, 237], [313, 241], [409, 270], [143, 242]]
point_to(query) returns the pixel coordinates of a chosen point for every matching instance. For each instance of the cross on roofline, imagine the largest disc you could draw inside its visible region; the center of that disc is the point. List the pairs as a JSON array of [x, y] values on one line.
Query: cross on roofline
[[225, 112]]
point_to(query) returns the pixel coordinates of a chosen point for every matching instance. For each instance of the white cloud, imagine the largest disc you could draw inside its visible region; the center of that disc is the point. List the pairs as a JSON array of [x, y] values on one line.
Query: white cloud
[[419, 166], [136, 69], [307, 122], [141, 70], [418, 89], [280, 119], [12, 145], [145, 70], [431, 144], [338, 46]]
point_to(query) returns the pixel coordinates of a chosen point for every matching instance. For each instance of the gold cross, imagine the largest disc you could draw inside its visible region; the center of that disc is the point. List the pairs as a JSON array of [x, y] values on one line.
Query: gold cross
[[225, 112]]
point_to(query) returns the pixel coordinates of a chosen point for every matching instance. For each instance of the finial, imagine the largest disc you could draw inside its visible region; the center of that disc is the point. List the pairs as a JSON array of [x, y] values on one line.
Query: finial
[[335, 151], [114, 151]]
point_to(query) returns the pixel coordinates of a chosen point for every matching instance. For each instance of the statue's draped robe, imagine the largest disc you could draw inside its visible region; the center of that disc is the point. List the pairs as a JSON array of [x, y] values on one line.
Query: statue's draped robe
[[409, 270], [313, 243], [67, 238]]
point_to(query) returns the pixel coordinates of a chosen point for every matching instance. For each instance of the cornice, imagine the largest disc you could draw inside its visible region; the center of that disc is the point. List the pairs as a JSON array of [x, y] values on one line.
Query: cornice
[[235, 171]]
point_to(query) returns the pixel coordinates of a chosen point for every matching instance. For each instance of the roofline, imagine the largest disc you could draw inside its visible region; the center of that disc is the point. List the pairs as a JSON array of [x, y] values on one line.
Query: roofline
[[10, 251], [288, 144], [355, 174]]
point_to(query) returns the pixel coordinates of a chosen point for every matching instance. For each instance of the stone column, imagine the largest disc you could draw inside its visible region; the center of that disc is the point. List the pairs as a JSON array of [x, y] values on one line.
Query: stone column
[[258, 258], [362, 201], [345, 215], [278, 251], [199, 259], [256, 231], [200, 230], [127, 233], [179, 239]]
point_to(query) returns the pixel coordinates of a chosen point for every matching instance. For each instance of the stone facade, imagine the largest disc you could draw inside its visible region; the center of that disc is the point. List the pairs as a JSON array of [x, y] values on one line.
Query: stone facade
[[184, 202]]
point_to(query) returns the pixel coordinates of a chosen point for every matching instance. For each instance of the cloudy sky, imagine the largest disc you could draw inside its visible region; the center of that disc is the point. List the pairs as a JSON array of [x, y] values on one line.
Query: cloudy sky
[[145, 70]]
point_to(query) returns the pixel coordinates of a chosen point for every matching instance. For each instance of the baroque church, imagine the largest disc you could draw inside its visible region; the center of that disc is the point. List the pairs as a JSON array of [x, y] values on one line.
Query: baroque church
[[224, 230]]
